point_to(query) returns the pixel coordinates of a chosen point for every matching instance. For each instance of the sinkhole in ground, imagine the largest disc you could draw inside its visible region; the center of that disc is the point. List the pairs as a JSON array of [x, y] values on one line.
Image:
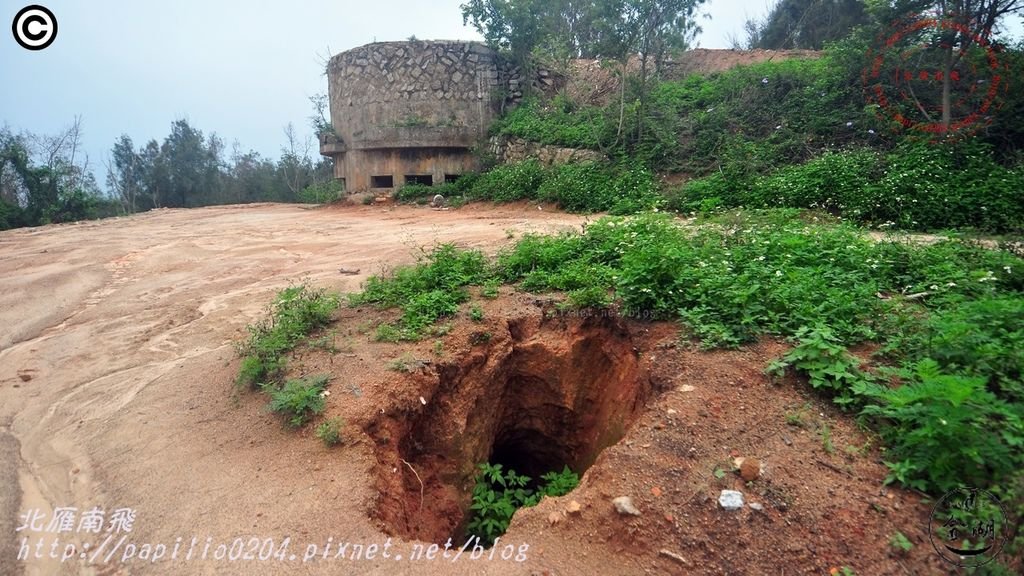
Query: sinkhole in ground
[[538, 395]]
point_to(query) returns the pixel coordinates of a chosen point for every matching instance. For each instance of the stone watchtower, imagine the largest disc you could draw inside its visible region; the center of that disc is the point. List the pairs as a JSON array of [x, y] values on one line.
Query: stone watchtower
[[410, 112]]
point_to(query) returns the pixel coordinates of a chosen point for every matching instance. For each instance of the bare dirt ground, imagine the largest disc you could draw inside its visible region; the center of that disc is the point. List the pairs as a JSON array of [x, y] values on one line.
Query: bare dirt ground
[[116, 391]]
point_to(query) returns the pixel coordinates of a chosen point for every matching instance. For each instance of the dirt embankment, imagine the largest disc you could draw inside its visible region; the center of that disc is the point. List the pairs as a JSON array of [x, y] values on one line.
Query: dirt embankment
[[596, 82]]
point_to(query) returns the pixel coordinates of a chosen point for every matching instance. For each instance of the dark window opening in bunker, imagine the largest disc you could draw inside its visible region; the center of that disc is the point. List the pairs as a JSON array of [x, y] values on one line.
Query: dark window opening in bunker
[[451, 178], [419, 179], [382, 181]]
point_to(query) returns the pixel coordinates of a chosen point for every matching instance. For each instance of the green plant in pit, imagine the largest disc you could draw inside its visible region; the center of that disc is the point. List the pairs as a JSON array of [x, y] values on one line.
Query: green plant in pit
[[329, 431], [496, 497], [476, 314], [299, 399], [296, 312], [439, 347], [498, 493], [901, 542], [555, 484]]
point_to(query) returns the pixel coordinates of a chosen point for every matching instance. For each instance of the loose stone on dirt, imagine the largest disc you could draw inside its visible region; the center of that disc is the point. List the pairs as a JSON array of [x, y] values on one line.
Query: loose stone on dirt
[[750, 469], [624, 505], [730, 500]]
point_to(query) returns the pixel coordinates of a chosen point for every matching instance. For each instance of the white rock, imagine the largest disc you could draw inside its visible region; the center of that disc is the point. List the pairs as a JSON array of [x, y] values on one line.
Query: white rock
[[730, 500], [624, 505]]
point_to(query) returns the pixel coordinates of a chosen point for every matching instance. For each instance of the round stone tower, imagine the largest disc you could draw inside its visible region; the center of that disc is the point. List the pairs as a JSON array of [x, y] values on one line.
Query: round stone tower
[[410, 112]]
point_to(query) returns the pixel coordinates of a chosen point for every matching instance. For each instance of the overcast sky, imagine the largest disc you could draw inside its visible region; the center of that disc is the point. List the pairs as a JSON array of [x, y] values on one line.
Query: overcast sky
[[243, 69]]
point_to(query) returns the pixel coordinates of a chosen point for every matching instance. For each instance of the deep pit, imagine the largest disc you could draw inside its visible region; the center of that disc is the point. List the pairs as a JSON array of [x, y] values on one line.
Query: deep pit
[[539, 394]]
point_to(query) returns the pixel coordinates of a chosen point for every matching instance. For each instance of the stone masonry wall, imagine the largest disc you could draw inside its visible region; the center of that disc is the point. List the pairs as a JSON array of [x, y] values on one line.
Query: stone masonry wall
[[510, 150], [418, 93]]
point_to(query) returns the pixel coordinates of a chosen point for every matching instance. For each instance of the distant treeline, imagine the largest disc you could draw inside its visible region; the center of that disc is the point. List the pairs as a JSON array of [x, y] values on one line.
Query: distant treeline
[[48, 179]]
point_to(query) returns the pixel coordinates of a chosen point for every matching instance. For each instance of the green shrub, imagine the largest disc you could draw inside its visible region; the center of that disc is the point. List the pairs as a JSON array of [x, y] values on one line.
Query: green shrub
[[329, 431], [945, 431], [432, 289], [414, 193], [952, 338], [299, 399], [580, 187], [11, 216], [558, 122], [917, 186], [826, 363], [423, 309], [509, 183], [321, 193], [296, 312]]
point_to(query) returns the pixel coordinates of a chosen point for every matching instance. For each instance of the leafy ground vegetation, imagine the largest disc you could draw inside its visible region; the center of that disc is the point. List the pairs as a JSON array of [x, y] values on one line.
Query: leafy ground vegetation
[[295, 314], [943, 390], [499, 493]]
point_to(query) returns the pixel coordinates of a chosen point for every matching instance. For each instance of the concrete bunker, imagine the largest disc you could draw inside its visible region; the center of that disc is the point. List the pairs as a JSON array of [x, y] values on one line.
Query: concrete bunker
[[411, 112]]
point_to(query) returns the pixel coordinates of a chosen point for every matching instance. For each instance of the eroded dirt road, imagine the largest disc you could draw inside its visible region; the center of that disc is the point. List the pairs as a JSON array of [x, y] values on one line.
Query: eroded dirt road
[[116, 363]]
